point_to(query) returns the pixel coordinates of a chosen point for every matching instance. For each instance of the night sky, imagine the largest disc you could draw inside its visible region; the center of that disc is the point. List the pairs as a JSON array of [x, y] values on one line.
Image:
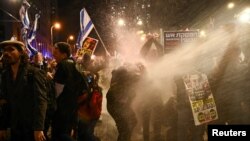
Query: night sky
[[166, 14]]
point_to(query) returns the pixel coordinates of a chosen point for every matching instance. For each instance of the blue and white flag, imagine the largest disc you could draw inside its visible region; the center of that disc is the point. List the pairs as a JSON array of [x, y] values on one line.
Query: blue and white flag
[[28, 31], [32, 33], [86, 26], [23, 12]]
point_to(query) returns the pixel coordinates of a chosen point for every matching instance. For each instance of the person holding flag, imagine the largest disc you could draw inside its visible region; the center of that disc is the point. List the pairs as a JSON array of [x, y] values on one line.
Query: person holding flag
[[86, 26]]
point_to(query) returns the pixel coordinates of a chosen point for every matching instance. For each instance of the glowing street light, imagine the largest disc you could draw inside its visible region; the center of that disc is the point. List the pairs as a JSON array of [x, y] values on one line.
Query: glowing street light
[[244, 16], [57, 26], [121, 22], [71, 37], [73, 47], [230, 5]]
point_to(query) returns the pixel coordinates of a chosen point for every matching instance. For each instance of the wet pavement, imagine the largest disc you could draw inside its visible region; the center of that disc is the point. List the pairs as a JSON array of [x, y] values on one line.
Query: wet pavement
[[106, 130]]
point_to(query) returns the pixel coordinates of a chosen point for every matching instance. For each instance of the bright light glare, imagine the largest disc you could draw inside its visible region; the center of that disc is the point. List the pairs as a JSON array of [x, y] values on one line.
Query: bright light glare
[[143, 37], [93, 57], [230, 5], [71, 37], [139, 22], [121, 22], [57, 25], [140, 32], [244, 16], [202, 33]]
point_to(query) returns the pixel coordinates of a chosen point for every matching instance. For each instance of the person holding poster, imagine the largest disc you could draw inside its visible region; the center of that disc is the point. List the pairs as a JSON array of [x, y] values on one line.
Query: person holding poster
[[89, 45], [185, 120], [195, 102]]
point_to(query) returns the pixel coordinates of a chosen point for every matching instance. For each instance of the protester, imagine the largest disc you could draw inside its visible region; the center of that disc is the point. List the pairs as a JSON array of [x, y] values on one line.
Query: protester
[[51, 69], [119, 100], [89, 111], [229, 86], [68, 87], [230, 81], [38, 61], [90, 102], [152, 103], [185, 121], [170, 118], [24, 94]]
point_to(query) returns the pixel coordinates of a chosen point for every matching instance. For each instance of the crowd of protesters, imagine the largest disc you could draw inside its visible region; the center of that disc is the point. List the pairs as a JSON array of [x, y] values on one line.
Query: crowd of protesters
[[40, 99]]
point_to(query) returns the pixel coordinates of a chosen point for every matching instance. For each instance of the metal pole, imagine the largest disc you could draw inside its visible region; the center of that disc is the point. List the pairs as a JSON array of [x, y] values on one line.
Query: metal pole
[[51, 34], [10, 15], [102, 42]]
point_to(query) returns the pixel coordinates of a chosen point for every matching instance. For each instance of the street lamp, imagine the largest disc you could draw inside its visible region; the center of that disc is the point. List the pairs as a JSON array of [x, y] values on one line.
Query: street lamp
[[71, 37], [57, 26]]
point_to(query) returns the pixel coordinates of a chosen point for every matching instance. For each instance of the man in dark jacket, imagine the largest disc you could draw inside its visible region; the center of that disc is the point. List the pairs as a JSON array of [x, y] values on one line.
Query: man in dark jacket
[[119, 99], [23, 95], [68, 84], [38, 62]]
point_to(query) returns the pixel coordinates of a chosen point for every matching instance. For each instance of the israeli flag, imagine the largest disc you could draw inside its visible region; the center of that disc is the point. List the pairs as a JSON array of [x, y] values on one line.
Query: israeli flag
[[23, 12], [86, 27], [28, 30], [33, 30]]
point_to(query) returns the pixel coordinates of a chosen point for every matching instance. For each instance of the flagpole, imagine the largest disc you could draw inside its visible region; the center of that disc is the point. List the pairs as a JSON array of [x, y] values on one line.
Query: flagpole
[[10, 15], [102, 42]]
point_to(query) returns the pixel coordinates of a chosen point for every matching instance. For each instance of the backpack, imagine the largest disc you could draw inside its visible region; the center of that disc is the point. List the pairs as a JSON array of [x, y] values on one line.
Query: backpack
[[90, 101]]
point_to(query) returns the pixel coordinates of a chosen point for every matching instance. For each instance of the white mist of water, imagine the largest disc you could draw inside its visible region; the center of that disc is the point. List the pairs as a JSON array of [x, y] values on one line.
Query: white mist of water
[[158, 85], [202, 55]]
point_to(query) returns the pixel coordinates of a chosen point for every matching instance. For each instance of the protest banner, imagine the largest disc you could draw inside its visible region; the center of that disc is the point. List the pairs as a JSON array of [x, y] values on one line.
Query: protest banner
[[201, 98]]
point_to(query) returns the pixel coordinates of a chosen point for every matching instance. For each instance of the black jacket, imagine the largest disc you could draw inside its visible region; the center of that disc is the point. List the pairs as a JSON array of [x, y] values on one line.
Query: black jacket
[[26, 99], [65, 117]]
